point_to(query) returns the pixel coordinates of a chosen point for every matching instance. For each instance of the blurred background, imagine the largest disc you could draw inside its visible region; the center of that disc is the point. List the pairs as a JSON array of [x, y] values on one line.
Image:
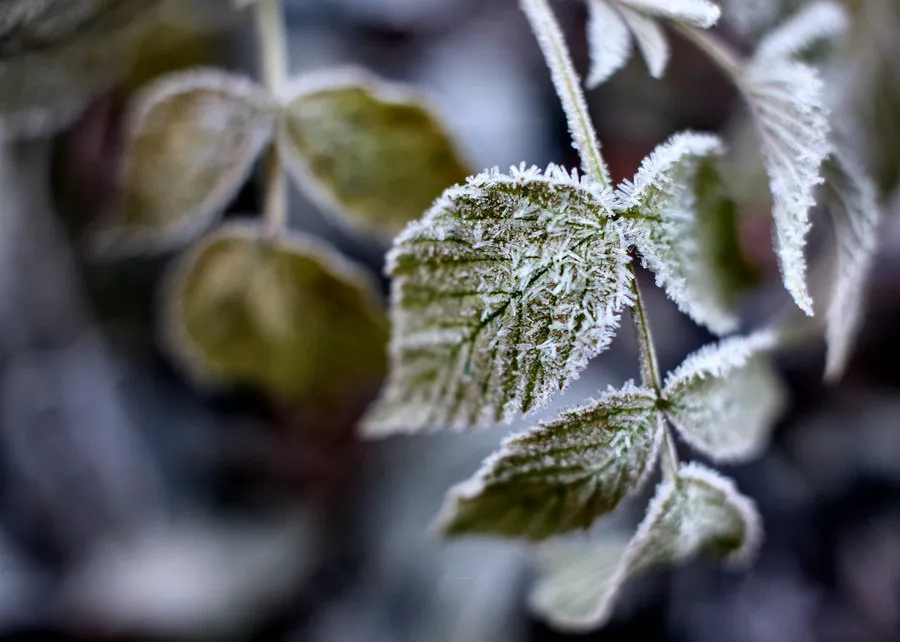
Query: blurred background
[[134, 506]]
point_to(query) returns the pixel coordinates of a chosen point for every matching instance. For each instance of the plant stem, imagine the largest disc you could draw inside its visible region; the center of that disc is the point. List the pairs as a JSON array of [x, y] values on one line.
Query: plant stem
[[272, 42], [568, 86], [650, 376], [719, 51]]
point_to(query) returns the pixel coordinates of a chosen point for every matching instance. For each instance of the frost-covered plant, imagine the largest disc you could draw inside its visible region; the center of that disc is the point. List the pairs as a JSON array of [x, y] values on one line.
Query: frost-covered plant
[[510, 283]]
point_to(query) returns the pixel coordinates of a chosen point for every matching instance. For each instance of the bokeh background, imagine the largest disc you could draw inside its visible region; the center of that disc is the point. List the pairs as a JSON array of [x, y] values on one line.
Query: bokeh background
[[135, 507]]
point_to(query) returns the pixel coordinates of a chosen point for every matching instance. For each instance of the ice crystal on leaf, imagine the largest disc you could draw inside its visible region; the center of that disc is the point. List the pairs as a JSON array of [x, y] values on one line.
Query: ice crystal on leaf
[[853, 203], [786, 99], [612, 25], [701, 513], [666, 225], [501, 294], [725, 398], [563, 474]]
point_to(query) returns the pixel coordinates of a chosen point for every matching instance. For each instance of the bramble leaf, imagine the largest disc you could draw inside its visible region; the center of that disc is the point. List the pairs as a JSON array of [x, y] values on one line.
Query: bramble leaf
[[811, 24], [563, 474], [612, 23], [192, 140], [853, 202], [501, 295], [700, 514], [668, 226], [371, 152], [286, 315], [786, 99], [725, 398]]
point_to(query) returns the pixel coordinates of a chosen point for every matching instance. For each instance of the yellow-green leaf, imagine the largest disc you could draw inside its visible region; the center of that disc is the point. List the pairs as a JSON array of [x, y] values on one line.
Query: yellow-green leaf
[[193, 139], [285, 315], [372, 153]]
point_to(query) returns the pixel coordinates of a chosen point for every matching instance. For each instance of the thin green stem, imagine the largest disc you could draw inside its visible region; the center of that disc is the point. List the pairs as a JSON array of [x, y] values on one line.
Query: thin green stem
[[650, 373], [273, 58], [568, 86]]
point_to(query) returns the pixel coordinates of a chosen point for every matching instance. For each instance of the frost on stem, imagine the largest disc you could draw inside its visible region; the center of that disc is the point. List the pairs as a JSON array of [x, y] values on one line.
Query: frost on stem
[[612, 25], [501, 294], [563, 474], [725, 398], [701, 513]]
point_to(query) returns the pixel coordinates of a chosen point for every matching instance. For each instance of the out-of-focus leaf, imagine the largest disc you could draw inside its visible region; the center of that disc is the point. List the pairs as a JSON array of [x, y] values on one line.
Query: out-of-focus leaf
[[854, 207], [372, 153], [192, 140], [57, 58], [563, 474], [285, 315], [725, 398], [701, 513]]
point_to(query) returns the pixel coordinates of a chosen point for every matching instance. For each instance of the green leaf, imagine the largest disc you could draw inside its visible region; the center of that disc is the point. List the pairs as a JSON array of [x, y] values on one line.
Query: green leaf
[[670, 228], [368, 151], [501, 295], [725, 398], [285, 315], [563, 474], [193, 139], [54, 60], [700, 514]]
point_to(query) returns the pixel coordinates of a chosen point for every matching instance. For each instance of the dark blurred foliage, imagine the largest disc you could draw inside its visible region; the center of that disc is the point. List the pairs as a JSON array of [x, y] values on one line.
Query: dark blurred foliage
[[134, 507]]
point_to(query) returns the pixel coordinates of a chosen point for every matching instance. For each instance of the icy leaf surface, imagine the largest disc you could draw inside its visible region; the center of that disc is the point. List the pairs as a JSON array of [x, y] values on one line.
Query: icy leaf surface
[[192, 140], [286, 315], [853, 202], [701, 513], [725, 398], [563, 474], [373, 153], [613, 23], [670, 227], [501, 294], [787, 101]]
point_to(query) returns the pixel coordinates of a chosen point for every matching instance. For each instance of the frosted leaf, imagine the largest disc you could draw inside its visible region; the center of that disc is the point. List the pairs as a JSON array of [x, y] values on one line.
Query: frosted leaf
[[699, 13], [192, 140], [612, 23], [563, 474], [369, 151], [609, 41], [501, 294], [57, 71], [667, 225], [853, 202], [286, 315], [650, 39], [725, 398], [701, 513], [787, 102], [813, 23]]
